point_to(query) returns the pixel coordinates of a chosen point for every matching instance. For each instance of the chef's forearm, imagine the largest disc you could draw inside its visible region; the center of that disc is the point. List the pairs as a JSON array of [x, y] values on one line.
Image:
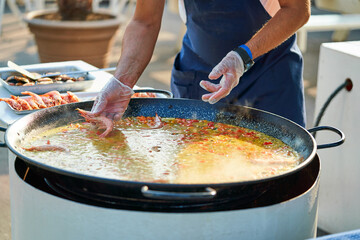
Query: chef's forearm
[[139, 40], [137, 48], [292, 15]]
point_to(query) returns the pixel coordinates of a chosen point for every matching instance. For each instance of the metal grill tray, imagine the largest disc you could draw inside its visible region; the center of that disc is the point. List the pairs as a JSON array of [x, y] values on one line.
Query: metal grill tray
[[51, 67], [87, 96]]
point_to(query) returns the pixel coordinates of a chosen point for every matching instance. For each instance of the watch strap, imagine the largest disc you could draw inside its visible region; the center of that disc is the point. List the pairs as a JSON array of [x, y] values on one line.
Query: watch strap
[[246, 55], [247, 49]]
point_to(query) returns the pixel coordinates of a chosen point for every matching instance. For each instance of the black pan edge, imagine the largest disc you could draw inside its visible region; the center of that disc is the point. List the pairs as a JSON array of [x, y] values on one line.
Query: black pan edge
[[254, 118]]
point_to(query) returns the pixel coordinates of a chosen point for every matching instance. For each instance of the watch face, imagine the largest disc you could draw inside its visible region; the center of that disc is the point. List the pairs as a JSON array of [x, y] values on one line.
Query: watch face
[[248, 65]]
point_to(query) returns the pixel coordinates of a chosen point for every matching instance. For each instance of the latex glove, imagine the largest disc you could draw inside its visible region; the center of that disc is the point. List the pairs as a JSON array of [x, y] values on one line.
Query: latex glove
[[231, 68], [112, 100]]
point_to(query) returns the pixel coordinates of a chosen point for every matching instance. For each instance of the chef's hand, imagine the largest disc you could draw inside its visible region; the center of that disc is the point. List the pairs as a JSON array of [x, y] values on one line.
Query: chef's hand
[[231, 68], [112, 100]]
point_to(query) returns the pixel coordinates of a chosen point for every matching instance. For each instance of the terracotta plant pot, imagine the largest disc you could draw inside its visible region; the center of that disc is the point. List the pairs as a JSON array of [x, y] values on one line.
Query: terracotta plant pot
[[90, 41]]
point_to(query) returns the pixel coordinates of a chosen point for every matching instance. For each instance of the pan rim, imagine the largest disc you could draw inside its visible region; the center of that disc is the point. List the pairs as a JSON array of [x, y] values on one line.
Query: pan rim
[[87, 177]]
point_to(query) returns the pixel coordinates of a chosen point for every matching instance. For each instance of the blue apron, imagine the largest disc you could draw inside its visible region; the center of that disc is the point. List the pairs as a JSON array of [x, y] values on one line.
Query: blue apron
[[215, 27]]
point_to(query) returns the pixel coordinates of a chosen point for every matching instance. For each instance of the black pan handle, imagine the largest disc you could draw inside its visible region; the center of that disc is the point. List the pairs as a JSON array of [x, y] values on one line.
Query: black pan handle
[[209, 193], [2, 130], [329, 145]]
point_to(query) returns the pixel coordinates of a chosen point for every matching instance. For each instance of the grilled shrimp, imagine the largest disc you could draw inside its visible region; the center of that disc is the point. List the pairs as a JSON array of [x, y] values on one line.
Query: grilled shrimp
[[49, 102], [24, 104], [13, 103], [36, 98], [32, 103], [55, 96]]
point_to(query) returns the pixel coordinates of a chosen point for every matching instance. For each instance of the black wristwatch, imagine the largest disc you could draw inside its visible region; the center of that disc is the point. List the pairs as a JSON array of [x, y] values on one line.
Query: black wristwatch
[[248, 62]]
